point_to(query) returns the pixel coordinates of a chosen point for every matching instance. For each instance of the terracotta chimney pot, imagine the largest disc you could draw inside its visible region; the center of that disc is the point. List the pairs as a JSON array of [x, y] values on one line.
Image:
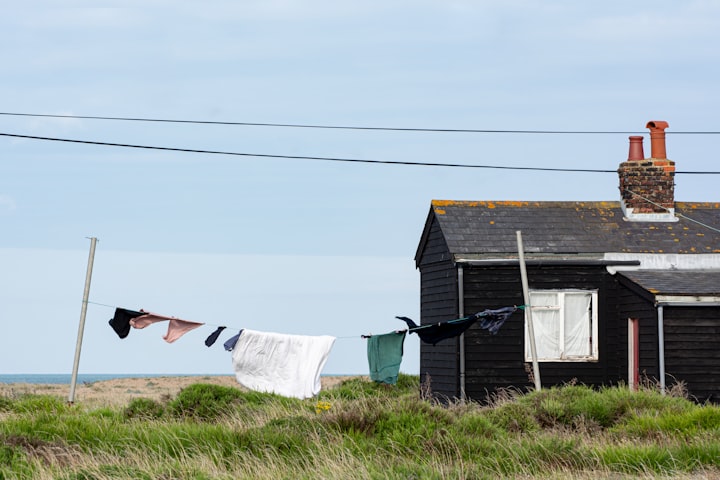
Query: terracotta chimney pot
[[636, 148], [657, 138]]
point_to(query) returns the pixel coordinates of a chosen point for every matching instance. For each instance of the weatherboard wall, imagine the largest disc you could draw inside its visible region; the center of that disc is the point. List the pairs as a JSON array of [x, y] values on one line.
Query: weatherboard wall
[[497, 361], [493, 362], [439, 364], [692, 350]]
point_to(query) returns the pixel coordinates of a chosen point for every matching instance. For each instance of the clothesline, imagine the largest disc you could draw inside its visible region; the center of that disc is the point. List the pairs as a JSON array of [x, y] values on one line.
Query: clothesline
[[204, 323], [490, 320], [354, 337], [290, 365], [484, 313]]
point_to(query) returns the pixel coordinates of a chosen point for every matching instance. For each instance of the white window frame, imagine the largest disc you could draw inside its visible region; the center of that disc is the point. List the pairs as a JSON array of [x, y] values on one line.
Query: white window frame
[[560, 308]]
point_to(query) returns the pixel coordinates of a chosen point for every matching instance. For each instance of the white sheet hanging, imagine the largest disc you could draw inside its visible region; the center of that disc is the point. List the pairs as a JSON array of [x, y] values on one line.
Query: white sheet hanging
[[288, 365]]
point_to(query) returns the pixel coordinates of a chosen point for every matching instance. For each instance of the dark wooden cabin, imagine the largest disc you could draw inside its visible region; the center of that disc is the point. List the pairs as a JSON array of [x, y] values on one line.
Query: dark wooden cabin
[[621, 291]]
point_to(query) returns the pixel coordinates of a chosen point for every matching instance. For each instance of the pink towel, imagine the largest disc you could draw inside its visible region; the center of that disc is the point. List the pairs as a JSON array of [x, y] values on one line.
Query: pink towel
[[176, 328]]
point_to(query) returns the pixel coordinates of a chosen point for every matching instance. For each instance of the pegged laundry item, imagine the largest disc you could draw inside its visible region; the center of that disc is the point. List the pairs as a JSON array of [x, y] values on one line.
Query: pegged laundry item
[[176, 328], [288, 365], [384, 356], [121, 321]]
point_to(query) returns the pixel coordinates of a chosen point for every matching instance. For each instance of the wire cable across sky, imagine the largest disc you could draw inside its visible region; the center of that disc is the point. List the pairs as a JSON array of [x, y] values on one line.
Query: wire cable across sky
[[303, 157], [326, 159], [347, 127]]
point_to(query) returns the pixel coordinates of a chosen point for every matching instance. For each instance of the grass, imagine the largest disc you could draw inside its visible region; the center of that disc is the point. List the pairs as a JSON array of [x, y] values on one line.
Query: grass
[[362, 430]]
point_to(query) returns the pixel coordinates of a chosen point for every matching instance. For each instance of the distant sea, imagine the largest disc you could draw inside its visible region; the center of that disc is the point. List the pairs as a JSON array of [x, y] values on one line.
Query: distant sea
[[97, 377], [88, 377]]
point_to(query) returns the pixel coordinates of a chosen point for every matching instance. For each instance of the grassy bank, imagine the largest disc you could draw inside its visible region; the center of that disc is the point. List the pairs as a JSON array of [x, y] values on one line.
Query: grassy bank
[[362, 430]]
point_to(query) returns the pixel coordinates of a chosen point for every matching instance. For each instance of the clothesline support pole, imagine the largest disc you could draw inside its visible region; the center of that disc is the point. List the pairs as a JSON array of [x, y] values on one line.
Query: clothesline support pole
[[83, 313], [528, 311]]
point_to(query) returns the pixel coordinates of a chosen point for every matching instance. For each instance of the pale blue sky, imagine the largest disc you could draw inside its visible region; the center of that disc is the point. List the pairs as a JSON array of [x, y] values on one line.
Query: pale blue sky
[[299, 246]]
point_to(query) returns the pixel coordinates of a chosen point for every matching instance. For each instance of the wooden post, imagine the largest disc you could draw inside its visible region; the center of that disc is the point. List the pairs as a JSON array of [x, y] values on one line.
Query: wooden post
[[528, 311]]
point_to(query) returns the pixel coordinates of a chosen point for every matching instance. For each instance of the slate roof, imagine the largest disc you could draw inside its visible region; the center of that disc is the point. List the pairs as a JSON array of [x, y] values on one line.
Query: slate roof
[[487, 228], [676, 282]]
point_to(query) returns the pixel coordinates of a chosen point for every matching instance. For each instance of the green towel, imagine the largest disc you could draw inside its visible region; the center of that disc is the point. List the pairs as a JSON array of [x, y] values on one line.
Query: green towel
[[384, 356]]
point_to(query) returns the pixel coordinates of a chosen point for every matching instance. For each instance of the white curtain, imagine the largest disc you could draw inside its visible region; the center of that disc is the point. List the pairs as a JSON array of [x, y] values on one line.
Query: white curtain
[[546, 323], [561, 330], [577, 324]]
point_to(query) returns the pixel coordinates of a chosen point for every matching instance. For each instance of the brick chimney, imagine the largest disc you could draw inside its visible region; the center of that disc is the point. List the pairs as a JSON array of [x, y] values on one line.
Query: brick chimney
[[647, 186]]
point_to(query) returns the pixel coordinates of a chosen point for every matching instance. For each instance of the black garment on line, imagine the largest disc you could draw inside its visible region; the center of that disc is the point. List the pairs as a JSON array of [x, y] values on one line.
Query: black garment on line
[[212, 338], [492, 320], [439, 331], [121, 321]]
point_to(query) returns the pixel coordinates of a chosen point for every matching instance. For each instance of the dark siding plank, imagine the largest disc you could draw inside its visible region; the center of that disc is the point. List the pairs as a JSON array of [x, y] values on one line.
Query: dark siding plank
[[438, 302], [692, 350]]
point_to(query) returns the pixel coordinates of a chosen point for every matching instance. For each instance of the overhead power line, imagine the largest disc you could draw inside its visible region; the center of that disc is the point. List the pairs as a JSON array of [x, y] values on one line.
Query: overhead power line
[[327, 159], [347, 127], [300, 157]]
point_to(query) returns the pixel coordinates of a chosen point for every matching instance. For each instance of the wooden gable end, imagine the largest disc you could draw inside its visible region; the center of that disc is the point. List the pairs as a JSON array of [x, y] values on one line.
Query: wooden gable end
[[433, 247]]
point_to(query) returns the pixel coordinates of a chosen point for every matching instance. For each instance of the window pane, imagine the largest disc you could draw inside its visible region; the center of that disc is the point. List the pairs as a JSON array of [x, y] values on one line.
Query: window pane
[[543, 299], [577, 324], [546, 324]]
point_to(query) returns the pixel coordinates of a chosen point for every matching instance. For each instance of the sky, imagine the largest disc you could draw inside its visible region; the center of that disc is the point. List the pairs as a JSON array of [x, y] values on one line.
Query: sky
[[303, 246]]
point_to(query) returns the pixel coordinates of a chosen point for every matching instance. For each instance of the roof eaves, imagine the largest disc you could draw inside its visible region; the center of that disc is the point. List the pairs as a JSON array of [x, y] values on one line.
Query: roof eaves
[[688, 300]]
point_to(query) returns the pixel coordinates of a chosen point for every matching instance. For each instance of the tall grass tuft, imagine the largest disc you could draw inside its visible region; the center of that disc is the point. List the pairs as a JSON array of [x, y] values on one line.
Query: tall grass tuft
[[144, 409], [205, 402]]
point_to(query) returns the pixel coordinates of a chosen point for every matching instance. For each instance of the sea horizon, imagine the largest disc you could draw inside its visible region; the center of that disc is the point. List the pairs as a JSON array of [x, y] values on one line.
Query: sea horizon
[[60, 378]]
